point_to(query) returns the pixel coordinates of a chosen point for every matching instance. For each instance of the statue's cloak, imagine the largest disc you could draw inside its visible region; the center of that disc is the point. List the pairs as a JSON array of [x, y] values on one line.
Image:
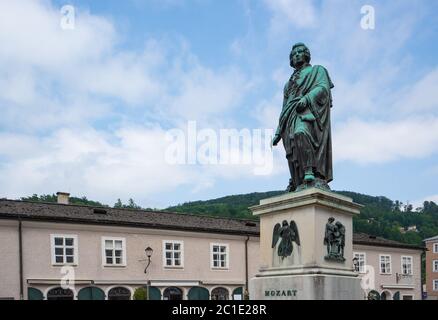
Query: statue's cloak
[[315, 86]]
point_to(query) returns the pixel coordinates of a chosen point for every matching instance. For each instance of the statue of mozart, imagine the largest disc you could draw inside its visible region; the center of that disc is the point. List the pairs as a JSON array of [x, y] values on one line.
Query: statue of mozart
[[304, 124]]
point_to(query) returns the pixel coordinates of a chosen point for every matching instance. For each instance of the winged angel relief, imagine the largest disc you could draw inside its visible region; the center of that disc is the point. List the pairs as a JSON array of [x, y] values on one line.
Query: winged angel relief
[[288, 234]]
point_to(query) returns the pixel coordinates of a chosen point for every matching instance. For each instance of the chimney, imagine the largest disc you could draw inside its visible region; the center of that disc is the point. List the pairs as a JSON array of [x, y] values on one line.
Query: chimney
[[63, 197]]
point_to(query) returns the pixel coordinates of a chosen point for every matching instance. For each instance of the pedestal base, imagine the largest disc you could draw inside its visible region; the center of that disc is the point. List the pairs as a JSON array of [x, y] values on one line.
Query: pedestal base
[[306, 287], [320, 265]]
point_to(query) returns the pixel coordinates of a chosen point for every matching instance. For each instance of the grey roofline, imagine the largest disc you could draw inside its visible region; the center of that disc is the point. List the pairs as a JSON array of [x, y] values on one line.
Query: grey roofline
[[125, 224], [430, 239], [388, 245]]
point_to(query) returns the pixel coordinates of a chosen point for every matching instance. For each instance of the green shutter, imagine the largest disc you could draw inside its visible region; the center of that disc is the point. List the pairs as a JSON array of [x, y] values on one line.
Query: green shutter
[[238, 291], [154, 293], [91, 293], [34, 294], [198, 293]]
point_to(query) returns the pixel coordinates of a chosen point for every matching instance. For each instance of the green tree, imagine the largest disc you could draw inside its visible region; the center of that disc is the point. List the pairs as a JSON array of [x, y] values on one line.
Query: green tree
[[140, 294], [118, 204]]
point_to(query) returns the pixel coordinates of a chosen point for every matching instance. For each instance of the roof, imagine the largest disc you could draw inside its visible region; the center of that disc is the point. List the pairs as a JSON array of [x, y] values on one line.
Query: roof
[[431, 239], [369, 240], [56, 212]]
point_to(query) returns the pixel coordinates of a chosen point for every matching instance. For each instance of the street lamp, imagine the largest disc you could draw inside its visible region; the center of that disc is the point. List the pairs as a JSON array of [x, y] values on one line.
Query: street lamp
[[148, 252]]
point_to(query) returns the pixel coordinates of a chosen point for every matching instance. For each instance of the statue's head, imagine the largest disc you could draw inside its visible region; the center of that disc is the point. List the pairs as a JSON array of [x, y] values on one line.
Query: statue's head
[[285, 224], [299, 55], [331, 219]]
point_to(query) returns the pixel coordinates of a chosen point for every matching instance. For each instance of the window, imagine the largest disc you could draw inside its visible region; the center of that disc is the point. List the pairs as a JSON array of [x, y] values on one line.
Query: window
[[385, 264], [64, 249], [435, 265], [173, 253], [408, 297], [435, 248], [220, 294], [114, 251], [219, 256], [435, 285], [361, 262], [406, 265]]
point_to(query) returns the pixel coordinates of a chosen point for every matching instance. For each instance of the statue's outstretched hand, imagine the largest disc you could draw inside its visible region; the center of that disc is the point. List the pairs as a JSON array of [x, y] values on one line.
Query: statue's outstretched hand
[[276, 139]]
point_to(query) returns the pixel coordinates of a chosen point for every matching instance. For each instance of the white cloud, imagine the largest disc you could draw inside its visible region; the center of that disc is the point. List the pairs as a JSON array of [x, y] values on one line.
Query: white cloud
[[380, 141], [422, 96], [103, 166], [419, 203], [41, 60], [56, 83], [203, 92], [300, 13]]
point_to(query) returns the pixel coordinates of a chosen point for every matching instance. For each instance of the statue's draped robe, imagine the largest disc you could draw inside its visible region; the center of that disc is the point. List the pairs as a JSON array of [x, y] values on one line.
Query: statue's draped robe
[[308, 143]]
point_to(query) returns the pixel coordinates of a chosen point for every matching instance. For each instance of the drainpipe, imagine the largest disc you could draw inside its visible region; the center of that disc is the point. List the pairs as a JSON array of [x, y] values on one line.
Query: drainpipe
[[20, 249], [246, 267]]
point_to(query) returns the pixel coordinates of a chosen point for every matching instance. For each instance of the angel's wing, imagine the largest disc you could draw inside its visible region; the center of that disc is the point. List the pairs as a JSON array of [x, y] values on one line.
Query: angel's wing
[[275, 234], [294, 228]]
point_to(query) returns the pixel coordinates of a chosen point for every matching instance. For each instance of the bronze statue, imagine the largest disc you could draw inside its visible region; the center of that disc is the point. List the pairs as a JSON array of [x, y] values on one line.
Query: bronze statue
[[288, 233], [304, 124], [334, 239]]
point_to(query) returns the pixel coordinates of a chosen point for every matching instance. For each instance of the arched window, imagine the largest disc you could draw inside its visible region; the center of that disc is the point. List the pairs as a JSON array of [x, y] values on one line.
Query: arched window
[[220, 294], [154, 293], [34, 294], [373, 295], [119, 293], [172, 293], [198, 293], [60, 294], [91, 293]]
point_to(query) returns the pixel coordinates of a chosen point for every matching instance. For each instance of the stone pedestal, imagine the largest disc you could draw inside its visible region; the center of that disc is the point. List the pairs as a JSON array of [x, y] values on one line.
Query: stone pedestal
[[307, 273]]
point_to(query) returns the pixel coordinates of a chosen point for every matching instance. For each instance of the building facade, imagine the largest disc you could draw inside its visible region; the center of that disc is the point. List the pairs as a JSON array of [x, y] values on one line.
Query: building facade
[[389, 270], [432, 268], [62, 251]]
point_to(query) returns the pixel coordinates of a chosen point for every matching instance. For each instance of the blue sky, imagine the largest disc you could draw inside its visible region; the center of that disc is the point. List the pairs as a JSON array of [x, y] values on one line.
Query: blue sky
[[86, 110]]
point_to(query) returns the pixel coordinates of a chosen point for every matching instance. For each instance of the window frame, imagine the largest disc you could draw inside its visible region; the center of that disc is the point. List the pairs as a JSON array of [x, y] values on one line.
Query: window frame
[[364, 261], [227, 256], [181, 250], [435, 285], [380, 264], [412, 265], [435, 247], [113, 265], [75, 249], [435, 265]]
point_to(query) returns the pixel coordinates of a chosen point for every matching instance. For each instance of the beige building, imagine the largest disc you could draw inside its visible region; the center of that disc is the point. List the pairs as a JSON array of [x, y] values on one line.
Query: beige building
[[432, 268], [390, 270], [62, 251]]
